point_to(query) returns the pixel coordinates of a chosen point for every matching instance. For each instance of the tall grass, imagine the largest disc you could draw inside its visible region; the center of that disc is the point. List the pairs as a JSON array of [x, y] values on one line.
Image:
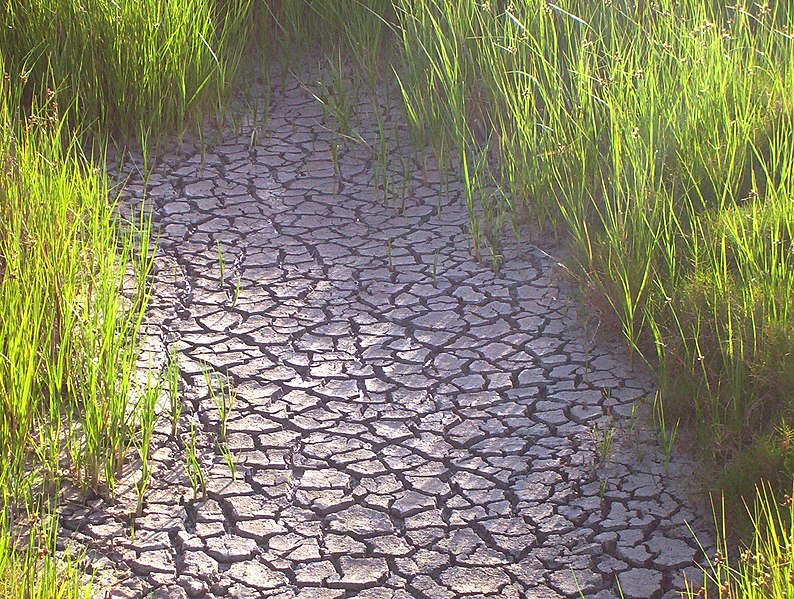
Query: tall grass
[[764, 569], [357, 25], [67, 334], [73, 289], [129, 64], [657, 137], [67, 362]]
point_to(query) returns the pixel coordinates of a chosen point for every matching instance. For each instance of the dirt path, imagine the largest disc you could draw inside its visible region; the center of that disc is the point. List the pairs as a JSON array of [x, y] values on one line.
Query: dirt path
[[408, 422]]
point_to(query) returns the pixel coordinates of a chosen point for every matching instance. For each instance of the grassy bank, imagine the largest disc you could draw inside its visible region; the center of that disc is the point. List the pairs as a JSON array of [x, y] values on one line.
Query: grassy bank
[[67, 336], [658, 139], [763, 567], [128, 65], [73, 288]]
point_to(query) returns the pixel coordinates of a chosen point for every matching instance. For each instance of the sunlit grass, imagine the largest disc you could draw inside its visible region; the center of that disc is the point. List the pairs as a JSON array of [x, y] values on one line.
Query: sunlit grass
[[72, 300], [30, 569], [73, 274], [657, 138], [131, 64], [128, 64], [761, 569]]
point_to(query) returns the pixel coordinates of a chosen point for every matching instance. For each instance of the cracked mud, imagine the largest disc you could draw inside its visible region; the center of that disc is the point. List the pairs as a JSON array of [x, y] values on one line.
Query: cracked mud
[[408, 422]]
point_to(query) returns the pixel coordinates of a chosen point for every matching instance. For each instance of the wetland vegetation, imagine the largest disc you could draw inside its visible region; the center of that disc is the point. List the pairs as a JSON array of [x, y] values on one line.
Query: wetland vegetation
[[655, 139]]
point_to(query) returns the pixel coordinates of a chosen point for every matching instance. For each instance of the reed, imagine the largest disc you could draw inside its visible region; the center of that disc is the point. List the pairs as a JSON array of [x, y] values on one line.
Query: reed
[[72, 297], [656, 138], [129, 64]]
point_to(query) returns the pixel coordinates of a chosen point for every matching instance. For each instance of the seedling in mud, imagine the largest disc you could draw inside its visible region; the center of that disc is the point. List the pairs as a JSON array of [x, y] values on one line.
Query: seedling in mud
[[381, 163], [238, 283], [148, 162], [224, 398], [403, 192], [475, 239], [195, 472], [435, 268], [496, 259], [233, 297], [405, 169], [335, 98], [260, 124], [221, 263], [335, 157], [203, 145], [387, 183], [604, 438], [147, 417], [666, 433], [634, 418], [174, 398], [603, 491]]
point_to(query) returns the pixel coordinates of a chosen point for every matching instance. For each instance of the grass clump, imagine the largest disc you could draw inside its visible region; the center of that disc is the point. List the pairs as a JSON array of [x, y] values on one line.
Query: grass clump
[[73, 288], [68, 363], [72, 298], [132, 64], [765, 566], [30, 569], [657, 138]]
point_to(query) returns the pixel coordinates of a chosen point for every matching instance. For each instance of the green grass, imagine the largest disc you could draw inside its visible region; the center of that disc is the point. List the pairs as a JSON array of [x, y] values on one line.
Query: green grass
[[28, 567], [129, 65], [764, 569], [655, 137], [72, 299], [73, 275]]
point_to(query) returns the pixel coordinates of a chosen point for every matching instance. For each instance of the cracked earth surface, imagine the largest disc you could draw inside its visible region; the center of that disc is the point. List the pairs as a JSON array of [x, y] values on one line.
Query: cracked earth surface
[[409, 423]]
